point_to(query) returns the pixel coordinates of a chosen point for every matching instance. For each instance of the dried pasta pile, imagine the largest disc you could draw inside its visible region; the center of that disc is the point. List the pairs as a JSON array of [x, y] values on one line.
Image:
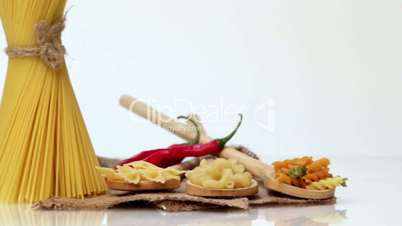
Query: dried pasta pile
[[45, 149], [304, 172], [220, 174], [139, 171]]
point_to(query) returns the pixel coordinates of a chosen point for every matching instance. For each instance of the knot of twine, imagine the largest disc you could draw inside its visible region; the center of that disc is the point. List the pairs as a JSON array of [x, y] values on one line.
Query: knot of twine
[[49, 47]]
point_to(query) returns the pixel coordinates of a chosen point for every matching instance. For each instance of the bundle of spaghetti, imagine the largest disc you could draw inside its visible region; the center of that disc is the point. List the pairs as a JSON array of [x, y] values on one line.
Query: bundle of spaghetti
[[45, 149]]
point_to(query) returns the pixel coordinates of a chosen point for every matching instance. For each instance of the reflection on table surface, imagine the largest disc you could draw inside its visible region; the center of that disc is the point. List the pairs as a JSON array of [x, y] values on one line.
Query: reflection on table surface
[[304, 216], [24, 215], [278, 216]]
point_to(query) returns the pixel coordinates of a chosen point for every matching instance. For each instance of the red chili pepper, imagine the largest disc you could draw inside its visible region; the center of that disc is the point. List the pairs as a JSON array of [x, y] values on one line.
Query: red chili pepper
[[175, 154], [143, 155]]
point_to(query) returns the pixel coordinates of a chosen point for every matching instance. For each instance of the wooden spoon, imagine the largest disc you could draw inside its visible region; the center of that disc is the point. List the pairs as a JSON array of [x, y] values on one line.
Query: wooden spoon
[[143, 186], [196, 190], [267, 174], [256, 167]]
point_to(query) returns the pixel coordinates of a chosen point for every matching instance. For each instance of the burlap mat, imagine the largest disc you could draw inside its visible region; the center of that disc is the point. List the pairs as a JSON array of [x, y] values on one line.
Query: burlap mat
[[174, 201]]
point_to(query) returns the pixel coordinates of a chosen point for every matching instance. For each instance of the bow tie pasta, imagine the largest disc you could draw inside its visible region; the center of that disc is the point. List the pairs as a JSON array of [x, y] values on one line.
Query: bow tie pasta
[[139, 171], [220, 174]]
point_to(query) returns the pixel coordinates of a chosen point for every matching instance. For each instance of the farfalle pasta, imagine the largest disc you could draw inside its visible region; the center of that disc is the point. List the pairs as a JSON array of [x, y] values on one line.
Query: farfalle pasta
[[109, 173], [220, 174], [304, 172], [139, 171]]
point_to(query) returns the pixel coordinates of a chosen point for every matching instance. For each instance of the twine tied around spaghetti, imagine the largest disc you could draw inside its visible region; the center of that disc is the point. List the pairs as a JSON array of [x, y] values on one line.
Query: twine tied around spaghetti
[[49, 47]]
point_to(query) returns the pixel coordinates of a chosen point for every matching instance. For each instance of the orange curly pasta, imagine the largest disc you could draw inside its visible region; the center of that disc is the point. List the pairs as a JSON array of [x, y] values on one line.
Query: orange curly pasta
[[291, 163], [316, 176], [284, 178], [318, 165], [301, 172]]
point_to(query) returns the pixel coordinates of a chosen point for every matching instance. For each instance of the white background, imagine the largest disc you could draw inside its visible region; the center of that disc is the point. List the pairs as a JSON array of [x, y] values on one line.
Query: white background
[[331, 71]]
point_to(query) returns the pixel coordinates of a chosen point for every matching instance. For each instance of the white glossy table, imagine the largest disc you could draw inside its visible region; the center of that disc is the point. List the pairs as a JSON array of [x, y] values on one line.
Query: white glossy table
[[373, 198]]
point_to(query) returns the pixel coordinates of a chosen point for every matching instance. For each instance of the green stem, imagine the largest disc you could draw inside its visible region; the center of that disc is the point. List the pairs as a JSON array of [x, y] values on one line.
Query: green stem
[[222, 142], [196, 140], [297, 172]]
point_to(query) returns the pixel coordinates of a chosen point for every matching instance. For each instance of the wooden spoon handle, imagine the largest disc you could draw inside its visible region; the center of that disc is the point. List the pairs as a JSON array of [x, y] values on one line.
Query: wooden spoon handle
[[147, 112], [182, 130]]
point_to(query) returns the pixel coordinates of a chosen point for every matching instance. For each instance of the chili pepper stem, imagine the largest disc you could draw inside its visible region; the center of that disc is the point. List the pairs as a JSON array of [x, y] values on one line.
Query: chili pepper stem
[[196, 140], [222, 142]]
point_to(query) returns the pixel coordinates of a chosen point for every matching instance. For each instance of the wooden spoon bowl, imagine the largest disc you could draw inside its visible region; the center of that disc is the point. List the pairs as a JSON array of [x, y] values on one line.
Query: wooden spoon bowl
[[277, 186], [143, 186], [196, 190], [267, 174]]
